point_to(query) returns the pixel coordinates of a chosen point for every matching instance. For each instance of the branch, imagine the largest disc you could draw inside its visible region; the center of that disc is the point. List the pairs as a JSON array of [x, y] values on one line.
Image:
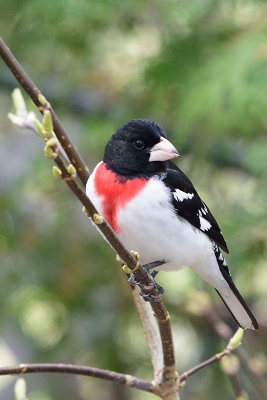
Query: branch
[[151, 331], [123, 379], [169, 377], [233, 343]]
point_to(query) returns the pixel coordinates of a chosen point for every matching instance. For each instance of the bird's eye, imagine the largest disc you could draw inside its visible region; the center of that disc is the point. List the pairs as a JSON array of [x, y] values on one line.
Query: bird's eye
[[139, 144]]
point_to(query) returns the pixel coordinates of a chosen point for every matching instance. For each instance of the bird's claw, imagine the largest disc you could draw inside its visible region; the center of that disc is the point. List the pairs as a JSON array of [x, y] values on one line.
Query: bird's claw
[[146, 290]]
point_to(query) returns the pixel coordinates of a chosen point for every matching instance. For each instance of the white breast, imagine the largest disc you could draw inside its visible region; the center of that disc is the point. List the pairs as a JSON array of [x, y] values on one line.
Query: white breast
[[150, 226]]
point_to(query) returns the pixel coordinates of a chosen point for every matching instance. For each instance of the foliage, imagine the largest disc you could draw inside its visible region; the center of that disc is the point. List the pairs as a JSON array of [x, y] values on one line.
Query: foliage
[[199, 69]]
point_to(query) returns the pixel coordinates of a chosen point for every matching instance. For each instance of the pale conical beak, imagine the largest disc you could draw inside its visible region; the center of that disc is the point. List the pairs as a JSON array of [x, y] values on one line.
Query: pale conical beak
[[163, 151]]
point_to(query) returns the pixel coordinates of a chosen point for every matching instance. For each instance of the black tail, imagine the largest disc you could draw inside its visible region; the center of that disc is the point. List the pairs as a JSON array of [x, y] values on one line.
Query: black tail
[[232, 298]]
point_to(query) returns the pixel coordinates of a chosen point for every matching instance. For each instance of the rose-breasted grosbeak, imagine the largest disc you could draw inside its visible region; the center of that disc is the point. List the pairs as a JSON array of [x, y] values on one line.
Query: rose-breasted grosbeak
[[154, 209]]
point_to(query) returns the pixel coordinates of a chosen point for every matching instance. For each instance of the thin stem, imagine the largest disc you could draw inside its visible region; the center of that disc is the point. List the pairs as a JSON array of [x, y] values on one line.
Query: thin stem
[[232, 344], [211, 360], [123, 379]]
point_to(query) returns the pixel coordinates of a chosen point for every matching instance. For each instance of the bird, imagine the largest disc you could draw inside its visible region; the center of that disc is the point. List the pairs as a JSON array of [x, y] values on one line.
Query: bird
[[155, 210]]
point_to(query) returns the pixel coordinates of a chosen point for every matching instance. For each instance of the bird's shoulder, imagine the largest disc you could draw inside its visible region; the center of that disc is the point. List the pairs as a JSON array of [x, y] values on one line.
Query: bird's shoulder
[[188, 204]]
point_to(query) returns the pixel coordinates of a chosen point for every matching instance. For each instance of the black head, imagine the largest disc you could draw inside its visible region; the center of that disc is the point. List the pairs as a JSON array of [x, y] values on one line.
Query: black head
[[139, 147]]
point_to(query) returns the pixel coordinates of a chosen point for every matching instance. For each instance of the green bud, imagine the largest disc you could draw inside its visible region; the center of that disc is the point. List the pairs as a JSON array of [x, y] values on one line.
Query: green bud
[[71, 170], [126, 269], [47, 121], [20, 389], [118, 258], [135, 254], [52, 142], [57, 172], [39, 129], [86, 212], [18, 99], [41, 99], [235, 341], [98, 219], [49, 152]]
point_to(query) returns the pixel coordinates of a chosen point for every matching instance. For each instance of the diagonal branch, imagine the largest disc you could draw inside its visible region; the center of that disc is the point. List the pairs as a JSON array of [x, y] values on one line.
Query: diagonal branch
[[233, 343], [168, 377], [217, 357]]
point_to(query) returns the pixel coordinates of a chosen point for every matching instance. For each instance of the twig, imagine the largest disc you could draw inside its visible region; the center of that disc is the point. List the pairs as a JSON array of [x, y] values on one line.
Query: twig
[[123, 379], [217, 357], [224, 331], [233, 343], [230, 370]]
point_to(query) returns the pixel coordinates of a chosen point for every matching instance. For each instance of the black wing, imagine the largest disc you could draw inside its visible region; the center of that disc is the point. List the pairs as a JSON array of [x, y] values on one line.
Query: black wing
[[188, 205]]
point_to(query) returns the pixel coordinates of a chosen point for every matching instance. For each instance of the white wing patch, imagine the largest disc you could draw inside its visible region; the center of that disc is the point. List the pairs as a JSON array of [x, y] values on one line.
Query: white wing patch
[[204, 210], [204, 224], [179, 195]]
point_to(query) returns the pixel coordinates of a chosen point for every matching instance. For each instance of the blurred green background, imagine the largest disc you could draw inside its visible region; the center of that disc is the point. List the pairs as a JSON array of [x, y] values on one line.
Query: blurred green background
[[199, 68]]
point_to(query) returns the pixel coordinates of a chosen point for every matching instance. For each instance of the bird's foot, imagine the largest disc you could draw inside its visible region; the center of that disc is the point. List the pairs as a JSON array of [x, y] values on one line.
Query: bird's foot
[[146, 290], [152, 265]]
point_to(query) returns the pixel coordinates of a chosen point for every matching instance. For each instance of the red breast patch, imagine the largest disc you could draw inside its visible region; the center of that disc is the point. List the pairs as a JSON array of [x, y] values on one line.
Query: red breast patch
[[115, 194]]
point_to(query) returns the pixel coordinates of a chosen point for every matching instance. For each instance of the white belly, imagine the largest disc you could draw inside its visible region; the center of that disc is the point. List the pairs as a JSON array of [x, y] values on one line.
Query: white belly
[[151, 227]]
